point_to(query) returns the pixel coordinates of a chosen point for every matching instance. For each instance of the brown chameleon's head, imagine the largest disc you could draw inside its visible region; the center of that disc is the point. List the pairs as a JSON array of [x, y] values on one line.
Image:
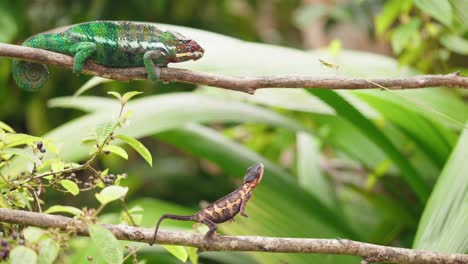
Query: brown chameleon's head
[[254, 174], [183, 49]]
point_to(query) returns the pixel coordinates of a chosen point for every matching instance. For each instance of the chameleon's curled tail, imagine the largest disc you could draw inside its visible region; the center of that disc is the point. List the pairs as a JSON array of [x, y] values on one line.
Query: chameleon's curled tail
[[170, 216], [30, 76]]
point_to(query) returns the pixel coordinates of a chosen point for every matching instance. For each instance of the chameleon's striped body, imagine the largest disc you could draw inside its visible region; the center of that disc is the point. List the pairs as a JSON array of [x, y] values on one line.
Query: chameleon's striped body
[[113, 44]]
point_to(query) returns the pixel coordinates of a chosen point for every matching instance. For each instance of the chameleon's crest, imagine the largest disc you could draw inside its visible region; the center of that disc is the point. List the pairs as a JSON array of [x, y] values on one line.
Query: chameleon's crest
[[254, 172]]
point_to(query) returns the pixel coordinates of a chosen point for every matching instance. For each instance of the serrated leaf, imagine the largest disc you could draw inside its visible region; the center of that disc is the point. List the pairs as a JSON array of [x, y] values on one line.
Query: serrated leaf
[[111, 193], [70, 186], [178, 251], [108, 246], [129, 95], [116, 150], [48, 251], [93, 82], [21, 152], [136, 145], [63, 209], [103, 131], [22, 255], [6, 127], [441, 10]]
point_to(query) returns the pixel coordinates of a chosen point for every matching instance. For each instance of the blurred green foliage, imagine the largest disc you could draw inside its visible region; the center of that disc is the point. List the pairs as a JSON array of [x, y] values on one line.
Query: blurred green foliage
[[357, 165]]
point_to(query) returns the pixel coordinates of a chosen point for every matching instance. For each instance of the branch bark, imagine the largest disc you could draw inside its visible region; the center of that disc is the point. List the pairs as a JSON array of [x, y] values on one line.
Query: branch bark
[[242, 84], [369, 252]]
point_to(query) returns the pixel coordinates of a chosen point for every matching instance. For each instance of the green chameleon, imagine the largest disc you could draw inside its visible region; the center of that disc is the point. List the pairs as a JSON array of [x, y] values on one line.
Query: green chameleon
[[109, 43]]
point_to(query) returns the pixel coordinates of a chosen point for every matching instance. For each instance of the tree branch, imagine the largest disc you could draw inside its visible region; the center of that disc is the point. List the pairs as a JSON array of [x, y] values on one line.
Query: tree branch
[[369, 252], [242, 84]]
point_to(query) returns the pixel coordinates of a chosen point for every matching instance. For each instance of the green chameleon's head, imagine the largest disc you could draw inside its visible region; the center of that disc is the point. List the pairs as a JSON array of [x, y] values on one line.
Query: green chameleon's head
[[182, 48]]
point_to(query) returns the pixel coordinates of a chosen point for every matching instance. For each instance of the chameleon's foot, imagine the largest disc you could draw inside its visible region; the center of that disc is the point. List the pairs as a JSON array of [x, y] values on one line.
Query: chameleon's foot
[[244, 215], [210, 236], [154, 74]]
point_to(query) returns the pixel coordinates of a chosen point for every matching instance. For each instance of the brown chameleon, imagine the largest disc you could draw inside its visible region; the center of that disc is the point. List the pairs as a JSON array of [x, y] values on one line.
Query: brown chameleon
[[225, 208]]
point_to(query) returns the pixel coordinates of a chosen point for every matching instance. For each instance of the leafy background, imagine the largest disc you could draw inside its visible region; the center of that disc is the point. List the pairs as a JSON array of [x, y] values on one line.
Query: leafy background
[[366, 165]]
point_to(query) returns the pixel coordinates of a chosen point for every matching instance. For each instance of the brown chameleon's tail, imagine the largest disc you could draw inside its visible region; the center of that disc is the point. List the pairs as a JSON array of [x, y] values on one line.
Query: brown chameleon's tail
[[174, 217]]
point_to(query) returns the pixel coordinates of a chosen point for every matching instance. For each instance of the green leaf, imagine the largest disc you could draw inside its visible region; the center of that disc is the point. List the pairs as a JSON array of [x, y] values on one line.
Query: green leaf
[[460, 7], [64, 209], [57, 165], [93, 82], [116, 94], [108, 246], [111, 193], [19, 198], [309, 173], [347, 111], [103, 131], [455, 43], [70, 186], [9, 25], [48, 251], [178, 251], [116, 150], [438, 9], [404, 33], [33, 234], [391, 10], [22, 255], [442, 226], [6, 127], [129, 95], [192, 255], [13, 140], [22, 152], [136, 145]]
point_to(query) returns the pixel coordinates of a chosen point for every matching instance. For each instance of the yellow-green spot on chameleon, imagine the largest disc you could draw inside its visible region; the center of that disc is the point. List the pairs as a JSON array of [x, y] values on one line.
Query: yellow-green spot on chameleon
[[117, 44]]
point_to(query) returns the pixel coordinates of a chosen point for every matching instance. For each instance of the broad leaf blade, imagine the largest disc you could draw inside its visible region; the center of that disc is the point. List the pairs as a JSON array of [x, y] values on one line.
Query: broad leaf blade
[[444, 221], [138, 147], [109, 247], [347, 111]]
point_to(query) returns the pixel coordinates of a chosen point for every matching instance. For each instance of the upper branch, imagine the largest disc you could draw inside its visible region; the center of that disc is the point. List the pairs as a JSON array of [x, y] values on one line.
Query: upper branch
[[369, 252], [242, 84]]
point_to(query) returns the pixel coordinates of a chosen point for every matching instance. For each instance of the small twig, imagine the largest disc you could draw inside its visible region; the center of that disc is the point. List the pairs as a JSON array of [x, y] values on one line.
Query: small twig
[[127, 212], [242, 84], [133, 252], [369, 252], [36, 198]]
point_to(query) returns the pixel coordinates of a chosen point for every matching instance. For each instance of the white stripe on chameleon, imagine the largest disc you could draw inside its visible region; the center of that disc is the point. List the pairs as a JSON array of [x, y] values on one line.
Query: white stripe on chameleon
[[104, 40]]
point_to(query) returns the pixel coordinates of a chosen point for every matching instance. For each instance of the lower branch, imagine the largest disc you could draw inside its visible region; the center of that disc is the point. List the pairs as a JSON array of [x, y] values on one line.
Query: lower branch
[[242, 84], [369, 252]]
